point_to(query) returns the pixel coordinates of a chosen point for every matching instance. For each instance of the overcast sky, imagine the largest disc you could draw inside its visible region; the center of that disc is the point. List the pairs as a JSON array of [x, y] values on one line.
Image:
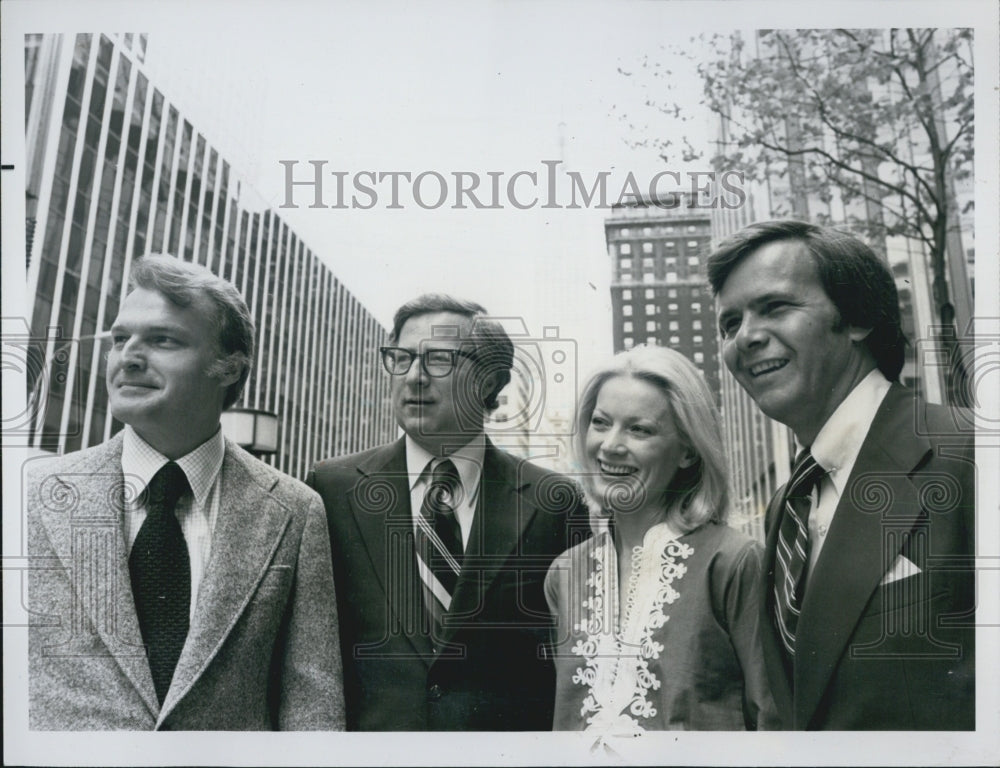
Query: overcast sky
[[446, 87], [496, 88]]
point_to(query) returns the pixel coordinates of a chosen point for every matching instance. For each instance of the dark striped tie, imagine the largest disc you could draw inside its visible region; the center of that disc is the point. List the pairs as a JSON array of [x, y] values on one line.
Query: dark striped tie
[[161, 576], [439, 537], [793, 547]]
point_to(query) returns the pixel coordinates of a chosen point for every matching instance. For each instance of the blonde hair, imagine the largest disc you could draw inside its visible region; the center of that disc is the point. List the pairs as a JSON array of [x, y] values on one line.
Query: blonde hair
[[698, 493]]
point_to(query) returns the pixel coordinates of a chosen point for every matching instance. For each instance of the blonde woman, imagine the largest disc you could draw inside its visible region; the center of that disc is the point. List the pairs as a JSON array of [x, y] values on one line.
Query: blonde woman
[[657, 614]]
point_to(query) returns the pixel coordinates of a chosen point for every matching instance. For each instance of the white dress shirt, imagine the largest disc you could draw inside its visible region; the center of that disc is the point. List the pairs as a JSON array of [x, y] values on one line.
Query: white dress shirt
[[468, 460], [836, 448], [196, 511]]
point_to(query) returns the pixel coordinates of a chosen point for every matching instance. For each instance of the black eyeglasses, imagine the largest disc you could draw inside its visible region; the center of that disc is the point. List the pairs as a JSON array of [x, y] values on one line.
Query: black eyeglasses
[[437, 363]]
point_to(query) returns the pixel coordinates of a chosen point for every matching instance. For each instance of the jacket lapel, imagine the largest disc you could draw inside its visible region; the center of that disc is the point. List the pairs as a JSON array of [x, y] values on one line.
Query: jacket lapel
[[247, 533], [503, 515], [380, 503], [856, 554], [86, 539]]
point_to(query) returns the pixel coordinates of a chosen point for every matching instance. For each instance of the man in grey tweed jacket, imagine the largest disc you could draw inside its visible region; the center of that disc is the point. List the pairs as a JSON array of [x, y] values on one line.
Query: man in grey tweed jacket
[[258, 645]]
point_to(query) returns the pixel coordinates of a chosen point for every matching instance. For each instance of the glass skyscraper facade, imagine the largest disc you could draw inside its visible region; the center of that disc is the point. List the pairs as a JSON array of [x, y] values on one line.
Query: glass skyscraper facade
[[115, 170]]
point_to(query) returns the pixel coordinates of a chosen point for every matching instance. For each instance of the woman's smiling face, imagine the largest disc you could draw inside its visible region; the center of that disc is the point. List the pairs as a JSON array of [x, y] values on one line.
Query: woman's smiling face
[[633, 446]]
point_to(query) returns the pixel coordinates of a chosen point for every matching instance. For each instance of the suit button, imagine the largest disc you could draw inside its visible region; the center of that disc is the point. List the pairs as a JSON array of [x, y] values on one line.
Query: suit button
[[434, 693]]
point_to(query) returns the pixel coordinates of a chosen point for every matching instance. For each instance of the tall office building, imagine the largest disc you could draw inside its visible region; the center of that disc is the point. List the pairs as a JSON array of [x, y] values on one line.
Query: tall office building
[[658, 282], [116, 170], [758, 449]]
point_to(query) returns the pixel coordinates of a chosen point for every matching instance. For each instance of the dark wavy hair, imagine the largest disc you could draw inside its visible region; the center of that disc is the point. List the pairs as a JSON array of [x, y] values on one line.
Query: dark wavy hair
[[494, 350], [855, 279], [181, 281]]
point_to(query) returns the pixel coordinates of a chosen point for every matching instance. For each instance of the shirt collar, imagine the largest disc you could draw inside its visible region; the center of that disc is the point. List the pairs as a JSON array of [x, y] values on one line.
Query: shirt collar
[[468, 461], [201, 466], [839, 441]]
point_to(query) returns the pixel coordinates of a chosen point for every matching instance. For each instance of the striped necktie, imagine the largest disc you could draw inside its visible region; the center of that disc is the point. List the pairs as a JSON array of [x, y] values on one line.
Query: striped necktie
[[439, 539], [793, 547], [160, 569]]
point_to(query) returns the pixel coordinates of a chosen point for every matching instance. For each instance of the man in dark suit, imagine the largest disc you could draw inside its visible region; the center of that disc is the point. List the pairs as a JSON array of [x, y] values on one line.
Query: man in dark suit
[[177, 582], [869, 610], [441, 542]]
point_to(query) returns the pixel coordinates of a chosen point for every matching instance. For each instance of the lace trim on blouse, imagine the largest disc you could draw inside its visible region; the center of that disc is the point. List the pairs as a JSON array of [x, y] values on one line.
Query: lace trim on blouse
[[616, 656]]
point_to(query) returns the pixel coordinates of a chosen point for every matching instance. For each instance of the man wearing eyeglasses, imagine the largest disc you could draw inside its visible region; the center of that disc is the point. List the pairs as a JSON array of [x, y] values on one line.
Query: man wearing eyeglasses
[[441, 541]]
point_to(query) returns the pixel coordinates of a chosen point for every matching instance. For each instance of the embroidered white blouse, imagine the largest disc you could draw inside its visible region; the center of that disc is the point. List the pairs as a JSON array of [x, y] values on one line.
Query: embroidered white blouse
[[685, 653]]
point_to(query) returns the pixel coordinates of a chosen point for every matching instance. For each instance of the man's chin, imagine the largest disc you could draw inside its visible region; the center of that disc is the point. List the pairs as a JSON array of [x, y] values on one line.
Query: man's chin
[[771, 397], [774, 406], [134, 411]]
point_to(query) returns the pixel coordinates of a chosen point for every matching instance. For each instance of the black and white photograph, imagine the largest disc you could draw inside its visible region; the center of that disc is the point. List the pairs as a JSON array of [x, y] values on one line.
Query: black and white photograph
[[501, 383]]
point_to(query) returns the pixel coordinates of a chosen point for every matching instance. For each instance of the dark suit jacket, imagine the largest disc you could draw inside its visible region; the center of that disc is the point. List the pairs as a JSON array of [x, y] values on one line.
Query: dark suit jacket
[[489, 669], [262, 651], [879, 654]]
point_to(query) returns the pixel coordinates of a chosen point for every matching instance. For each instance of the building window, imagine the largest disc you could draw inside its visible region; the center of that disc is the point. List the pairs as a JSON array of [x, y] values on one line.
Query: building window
[[674, 326], [626, 277], [650, 293], [650, 325], [650, 309], [670, 244], [628, 342], [668, 229], [692, 243], [699, 357], [671, 277], [672, 307], [697, 340], [648, 277], [627, 310], [695, 293], [675, 339], [647, 230], [692, 261], [627, 295], [692, 228], [696, 306], [672, 293], [626, 263], [627, 327], [647, 262], [623, 232], [652, 341], [626, 249], [696, 325], [502, 400], [647, 247]]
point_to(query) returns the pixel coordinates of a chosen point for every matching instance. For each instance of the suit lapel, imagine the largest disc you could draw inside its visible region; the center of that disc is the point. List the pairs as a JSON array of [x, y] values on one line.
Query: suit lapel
[[380, 503], [247, 533], [95, 521], [855, 557], [502, 516]]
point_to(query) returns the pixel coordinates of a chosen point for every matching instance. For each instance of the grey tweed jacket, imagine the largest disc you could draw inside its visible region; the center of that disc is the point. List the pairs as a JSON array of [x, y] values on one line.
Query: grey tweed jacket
[[262, 652]]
